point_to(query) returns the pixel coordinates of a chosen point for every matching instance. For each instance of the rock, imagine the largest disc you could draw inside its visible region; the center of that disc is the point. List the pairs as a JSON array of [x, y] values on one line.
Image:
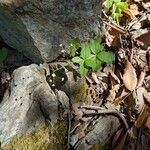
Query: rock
[[31, 26], [26, 103], [42, 138], [15, 34], [102, 132]]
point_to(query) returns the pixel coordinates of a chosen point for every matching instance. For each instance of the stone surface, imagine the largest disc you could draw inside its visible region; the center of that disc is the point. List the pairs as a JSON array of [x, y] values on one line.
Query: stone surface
[[101, 133], [29, 101], [26, 103], [32, 25]]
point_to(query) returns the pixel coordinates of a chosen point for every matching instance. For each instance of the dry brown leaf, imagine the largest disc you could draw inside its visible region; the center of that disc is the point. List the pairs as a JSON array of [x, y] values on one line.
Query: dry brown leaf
[[95, 78], [141, 118], [134, 9], [141, 78], [147, 124], [129, 13], [129, 77], [147, 96], [121, 142]]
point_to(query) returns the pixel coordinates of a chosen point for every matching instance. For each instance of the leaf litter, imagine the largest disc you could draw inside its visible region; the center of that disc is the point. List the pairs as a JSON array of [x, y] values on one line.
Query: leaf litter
[[126, 89], [122, 89]]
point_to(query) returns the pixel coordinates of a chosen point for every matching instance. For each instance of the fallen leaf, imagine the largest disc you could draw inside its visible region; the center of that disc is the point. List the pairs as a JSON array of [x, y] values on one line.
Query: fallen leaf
[[109, 38], [141, 118], [141, 78], [139, 99], [108, 70], [147, 124], [128, 13], [134, 9], [147, 96], [121, 142], [117, 137], [112, 93], [129, 77], [95, 78]]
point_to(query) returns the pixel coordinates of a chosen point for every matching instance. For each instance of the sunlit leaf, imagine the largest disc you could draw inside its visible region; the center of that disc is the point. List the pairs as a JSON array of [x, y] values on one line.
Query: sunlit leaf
[[108, 3], [93, 62], [107, 57], [83, 69], [85, 51], [122, 5], [77, 60]]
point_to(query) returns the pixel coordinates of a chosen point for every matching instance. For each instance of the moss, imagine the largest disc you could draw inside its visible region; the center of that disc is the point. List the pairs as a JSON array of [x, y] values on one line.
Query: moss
[[100, 147], [44, 138], [80, 93]]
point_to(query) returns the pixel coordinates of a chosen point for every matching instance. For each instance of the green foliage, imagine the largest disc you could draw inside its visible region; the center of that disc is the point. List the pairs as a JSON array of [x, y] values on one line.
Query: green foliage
[[92, 56], [3, 54], [116, 7]]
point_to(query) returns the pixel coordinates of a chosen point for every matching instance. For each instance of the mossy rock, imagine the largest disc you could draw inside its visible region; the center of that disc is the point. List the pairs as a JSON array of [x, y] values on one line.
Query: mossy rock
[[80, 92], [43, 138]]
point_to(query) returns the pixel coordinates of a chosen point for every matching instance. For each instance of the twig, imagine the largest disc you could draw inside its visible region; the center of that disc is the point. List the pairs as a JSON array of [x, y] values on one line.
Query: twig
[[69, 128], [105, 111], [115, 27]]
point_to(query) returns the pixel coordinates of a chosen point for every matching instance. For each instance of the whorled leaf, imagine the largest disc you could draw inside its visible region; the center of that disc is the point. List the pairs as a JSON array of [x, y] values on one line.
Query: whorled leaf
[[93, 62], [77, 60], [83, 69], [85, 51], [107, 57]]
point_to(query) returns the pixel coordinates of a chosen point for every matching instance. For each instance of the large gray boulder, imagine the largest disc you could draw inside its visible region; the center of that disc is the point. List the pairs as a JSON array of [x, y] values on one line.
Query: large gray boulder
[[26, 103], [31, 26]]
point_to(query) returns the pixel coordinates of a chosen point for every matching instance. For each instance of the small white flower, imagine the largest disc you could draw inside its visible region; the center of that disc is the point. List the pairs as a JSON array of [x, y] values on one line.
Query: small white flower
[[62, 79], [50, 81], [53, 75], [53, 85], [63, 51], [60, 45], [71, 45]]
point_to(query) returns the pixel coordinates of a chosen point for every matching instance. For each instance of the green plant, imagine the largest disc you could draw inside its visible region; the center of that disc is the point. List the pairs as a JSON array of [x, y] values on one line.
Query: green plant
[[3, 54], [116, 7], [92, 56]]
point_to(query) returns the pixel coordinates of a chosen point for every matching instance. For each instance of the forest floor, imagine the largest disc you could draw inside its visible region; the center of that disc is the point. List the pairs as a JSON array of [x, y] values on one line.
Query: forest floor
[[125, 84]]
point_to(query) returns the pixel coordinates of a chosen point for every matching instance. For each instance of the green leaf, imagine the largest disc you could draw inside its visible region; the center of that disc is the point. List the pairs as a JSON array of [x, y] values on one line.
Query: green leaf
[[107, 57], [98, 45], [92, 46], [83, 69], [93, 62], [118, 15], [122, 5], [116, 1], [3, 54], [74, 46], [77, 60], [85, 51], [108, 3], [114, 7]]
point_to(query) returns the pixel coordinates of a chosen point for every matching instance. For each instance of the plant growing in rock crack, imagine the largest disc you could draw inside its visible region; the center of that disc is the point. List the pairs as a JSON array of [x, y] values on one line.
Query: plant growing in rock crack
[[115, 7], [92, 55]]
